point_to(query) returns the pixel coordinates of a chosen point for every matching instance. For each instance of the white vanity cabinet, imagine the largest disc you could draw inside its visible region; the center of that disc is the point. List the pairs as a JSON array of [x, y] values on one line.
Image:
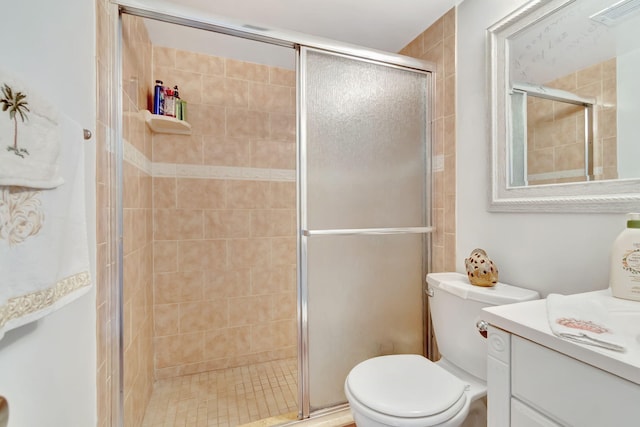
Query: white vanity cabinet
[[536, 379]]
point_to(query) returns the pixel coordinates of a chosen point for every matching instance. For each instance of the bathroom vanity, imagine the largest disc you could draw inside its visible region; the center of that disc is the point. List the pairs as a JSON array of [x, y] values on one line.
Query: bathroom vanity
[[537, 379]]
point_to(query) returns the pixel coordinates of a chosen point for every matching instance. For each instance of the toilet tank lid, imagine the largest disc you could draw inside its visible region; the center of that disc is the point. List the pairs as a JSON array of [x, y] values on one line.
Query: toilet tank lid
[[458, 284]]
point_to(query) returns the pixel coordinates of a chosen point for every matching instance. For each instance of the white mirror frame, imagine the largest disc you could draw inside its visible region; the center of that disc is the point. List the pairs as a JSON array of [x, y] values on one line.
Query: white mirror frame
[[593, 196]]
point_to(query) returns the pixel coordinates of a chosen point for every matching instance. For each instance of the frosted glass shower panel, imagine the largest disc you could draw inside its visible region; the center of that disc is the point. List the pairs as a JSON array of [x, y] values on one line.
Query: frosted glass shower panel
[[365, 300], [364, 213], [366, 133]]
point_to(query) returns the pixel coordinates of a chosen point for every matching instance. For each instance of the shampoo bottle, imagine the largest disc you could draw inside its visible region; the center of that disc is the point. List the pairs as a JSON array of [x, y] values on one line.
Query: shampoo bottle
[[158, 98], [624, 279]]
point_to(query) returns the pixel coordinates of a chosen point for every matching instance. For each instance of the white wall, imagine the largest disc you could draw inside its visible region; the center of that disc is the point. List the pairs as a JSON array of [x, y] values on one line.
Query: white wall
[[47, 368], [565, 253]]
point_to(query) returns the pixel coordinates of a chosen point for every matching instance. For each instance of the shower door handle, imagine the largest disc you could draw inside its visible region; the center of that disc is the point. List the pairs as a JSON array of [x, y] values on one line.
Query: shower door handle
[[367, 231]]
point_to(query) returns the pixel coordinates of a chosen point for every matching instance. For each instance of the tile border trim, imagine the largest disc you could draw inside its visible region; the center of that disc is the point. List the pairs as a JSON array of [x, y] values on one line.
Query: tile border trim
[[173, 170]]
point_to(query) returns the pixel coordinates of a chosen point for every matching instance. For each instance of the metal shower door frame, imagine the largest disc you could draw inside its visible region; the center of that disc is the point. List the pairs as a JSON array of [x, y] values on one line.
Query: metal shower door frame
[[193, 18]]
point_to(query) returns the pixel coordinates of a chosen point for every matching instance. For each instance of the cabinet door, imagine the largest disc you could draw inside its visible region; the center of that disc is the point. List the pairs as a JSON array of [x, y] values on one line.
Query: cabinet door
[[524, 416], [568, 391], [498, 378]]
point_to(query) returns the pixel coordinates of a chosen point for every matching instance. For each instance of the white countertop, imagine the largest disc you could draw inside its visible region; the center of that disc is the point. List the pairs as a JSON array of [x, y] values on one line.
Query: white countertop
[[529, 320]]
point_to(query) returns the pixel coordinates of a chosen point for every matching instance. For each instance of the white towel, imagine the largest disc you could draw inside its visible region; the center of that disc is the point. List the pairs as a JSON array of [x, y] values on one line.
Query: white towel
[[583, 318], [44, 258], [30, 137]]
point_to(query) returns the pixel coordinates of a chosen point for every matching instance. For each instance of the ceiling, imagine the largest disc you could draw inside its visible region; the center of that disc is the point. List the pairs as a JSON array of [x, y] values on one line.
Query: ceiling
[[378, 24]]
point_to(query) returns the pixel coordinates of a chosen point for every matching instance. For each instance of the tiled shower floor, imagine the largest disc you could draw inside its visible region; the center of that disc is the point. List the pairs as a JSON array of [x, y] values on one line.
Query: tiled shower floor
[[225, 398]]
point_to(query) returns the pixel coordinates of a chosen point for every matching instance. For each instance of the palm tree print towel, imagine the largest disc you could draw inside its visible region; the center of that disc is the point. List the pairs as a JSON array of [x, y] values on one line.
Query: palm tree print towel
[[30, 137], [44, 251]]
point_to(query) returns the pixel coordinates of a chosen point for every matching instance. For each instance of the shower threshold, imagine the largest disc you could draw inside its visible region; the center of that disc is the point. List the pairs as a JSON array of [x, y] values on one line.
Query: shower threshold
[[340, 418]]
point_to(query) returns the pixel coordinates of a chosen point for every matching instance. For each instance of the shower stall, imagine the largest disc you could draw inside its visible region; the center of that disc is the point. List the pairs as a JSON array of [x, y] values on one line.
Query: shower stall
[[282, 241]]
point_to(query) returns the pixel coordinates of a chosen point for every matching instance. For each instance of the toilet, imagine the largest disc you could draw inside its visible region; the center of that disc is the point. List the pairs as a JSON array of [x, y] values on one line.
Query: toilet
[[409, 390]]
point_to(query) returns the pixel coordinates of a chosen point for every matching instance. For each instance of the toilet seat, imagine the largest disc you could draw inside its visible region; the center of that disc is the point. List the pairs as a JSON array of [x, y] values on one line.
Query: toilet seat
[[407, 387]]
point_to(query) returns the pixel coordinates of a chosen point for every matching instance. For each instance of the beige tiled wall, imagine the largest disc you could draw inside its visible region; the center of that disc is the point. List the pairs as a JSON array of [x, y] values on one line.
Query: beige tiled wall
[[137, 323], [137, 225], [104, 221], [556, 132], [224, 249], [437, 44]]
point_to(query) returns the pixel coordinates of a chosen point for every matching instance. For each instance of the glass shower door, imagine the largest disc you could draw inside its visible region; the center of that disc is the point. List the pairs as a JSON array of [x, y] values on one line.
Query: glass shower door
[[364, 216]]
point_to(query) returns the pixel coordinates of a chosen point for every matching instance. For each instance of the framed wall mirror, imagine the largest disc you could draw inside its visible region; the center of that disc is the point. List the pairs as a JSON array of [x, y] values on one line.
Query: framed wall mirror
[[564, 79]]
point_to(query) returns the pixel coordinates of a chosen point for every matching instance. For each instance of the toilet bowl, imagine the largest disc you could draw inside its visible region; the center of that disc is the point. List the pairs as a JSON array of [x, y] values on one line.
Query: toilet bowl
[[408, 390], [411, 391]]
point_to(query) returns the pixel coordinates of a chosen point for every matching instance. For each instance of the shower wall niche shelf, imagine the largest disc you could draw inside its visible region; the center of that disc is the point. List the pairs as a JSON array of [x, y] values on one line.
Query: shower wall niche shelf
[[166, 124]]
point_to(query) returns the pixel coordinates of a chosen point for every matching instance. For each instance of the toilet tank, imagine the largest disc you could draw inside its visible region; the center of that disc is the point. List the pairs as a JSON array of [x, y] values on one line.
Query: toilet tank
[[455, 307]]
